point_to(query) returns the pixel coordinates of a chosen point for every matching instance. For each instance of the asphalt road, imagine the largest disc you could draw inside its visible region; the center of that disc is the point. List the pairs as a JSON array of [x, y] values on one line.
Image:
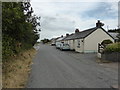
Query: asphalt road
[[53, 68]]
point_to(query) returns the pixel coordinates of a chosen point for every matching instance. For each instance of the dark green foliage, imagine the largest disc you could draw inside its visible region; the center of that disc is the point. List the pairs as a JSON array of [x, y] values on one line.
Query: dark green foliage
[[114, 30], [105, 42], [19, 28], [45, 41], [115, 47]]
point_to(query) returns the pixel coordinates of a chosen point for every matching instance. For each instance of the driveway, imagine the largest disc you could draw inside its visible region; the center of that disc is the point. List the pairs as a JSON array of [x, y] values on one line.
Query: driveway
[[53, 68]]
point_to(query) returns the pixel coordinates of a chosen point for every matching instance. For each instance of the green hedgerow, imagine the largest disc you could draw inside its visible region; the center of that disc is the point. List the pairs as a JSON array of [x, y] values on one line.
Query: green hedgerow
[[115, 47]]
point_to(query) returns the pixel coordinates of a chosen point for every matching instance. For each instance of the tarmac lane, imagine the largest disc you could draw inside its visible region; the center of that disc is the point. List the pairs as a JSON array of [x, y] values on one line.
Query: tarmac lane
[[53, 68]]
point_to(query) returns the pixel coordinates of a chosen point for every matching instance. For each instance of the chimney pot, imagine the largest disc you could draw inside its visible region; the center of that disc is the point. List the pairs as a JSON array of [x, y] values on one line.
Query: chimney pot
[[99, 24], [61, 35], [77, 30], [67, 34]]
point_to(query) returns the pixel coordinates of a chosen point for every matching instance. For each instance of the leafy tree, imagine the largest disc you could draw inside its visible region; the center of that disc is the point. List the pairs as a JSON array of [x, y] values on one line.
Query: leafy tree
[[19, 27], [45, 41], [105, 42], [113, 30]]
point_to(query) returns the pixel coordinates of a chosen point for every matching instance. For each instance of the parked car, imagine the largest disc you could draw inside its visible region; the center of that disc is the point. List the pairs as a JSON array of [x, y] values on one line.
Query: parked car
[[52, 44], [58, 45], [64, 47]]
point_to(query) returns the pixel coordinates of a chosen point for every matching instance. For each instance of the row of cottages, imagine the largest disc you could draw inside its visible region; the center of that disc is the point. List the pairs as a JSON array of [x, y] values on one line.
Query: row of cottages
[[53, 40], [87, 41], [59, 40]]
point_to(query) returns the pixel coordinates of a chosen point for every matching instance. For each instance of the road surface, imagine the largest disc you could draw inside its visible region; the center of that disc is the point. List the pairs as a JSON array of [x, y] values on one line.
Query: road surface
[[53, 68]]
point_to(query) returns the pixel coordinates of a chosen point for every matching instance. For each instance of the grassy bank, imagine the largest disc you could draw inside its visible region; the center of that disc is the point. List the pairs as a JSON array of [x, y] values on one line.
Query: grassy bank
[[16, 71]]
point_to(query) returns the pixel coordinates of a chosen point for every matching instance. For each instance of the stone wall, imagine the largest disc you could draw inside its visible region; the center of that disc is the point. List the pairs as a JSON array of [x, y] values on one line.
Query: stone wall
[[112, 56]]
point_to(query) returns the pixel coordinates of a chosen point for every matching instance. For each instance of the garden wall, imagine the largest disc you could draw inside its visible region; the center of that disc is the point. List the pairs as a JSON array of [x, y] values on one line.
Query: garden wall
[[111, 56]]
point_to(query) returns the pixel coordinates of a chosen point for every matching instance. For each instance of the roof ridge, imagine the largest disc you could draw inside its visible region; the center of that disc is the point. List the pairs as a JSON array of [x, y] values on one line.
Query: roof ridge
[[82, 34], [89, 29]]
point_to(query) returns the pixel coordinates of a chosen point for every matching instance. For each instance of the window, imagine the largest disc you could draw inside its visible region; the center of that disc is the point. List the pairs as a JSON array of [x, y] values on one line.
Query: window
[[78, 43]]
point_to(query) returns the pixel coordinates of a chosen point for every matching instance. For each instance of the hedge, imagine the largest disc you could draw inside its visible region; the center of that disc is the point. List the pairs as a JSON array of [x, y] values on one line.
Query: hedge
[[115, 47]]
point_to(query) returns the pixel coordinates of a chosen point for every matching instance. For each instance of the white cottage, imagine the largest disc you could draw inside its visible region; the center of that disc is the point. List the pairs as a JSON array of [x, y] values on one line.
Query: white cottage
[[68, 40], [59, 40], [114, 35], [87, 41]]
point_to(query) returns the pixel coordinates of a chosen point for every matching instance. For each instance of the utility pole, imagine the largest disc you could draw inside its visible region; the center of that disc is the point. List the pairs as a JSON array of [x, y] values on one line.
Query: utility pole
[[118, 26], [107, 27]]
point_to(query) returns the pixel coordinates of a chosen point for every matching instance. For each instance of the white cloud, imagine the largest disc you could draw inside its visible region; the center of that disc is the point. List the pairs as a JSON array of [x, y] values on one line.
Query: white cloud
[[58, 18], [75, 0]]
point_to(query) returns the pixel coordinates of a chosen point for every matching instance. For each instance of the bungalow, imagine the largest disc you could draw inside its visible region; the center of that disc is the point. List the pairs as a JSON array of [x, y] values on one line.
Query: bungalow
[[59, 40], [68, 40], [53, 40], [87, 41], [114, 35]]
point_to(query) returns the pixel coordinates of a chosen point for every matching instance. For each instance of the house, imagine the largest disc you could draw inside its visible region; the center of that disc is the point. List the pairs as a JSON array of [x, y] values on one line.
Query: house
[[59, 40], [68, 40], [114, 35], [53, 40], [87, 41]]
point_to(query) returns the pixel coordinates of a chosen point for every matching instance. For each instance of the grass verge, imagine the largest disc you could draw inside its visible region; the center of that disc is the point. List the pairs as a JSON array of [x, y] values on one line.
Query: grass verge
[[16, 71], [103, 61]]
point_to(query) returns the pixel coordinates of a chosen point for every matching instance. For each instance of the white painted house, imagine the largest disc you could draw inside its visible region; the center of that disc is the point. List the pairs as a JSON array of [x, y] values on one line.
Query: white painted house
[[114, 35], [68, 40], [87, 41], [59, 40]]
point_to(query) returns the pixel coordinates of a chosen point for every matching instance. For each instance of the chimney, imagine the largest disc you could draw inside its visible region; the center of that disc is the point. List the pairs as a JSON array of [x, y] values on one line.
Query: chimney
[[67, 34], [61, 35], [99, 24], [77, 30]]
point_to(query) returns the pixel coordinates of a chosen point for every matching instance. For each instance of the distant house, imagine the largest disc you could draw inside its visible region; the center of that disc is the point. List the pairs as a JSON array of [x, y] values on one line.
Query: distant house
[[87, 41], [59, 40], [68, 40], [53, 40], [114, 35]]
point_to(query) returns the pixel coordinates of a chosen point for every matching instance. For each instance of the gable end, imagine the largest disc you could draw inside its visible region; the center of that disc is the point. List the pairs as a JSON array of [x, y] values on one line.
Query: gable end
[[90, 33], [103, 30], [107, 33]]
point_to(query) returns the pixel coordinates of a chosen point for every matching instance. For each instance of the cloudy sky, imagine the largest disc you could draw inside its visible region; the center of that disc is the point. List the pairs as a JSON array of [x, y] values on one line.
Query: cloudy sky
[[61, 17]]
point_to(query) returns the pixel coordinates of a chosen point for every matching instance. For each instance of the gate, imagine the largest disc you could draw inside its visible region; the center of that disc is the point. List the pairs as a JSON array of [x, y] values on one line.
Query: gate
[[100, 48]]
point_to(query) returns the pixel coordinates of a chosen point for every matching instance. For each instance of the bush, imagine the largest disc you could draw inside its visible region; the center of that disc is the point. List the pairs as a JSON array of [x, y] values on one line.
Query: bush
[[9, 47], [19, 32], [105, 42], [115, 47]]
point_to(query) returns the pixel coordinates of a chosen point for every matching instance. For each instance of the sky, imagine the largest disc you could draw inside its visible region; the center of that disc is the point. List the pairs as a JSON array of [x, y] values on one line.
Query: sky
[[61, 17]]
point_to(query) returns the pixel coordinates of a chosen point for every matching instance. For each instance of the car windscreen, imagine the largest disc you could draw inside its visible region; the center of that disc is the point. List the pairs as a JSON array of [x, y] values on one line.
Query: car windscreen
[[66, 45]]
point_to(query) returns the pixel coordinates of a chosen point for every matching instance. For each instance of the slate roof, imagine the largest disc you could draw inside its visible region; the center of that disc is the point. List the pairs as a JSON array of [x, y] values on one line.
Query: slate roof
[[81, 34], [61, 38], [114, 35], [67, 37]]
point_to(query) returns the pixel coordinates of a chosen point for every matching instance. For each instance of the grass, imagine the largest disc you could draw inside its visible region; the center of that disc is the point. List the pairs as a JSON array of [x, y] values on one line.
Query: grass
[[16, 71], [103, 61]]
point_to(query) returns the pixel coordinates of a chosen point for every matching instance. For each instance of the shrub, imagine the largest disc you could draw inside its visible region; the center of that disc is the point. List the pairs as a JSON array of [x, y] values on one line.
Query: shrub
[[105, 42], [115, 47], [19, 32]]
